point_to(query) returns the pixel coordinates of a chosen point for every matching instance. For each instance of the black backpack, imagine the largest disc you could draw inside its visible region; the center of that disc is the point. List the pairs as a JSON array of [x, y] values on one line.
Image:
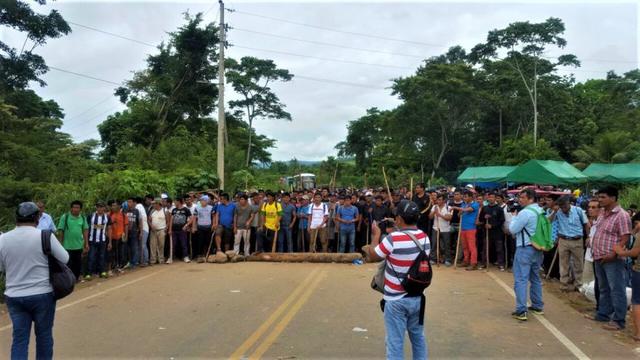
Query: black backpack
[[420, 273], [62, 278]]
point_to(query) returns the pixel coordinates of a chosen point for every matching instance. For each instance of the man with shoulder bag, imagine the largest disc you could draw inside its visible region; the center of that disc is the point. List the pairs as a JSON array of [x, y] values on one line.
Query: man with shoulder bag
[[407, 273], [29, 293]]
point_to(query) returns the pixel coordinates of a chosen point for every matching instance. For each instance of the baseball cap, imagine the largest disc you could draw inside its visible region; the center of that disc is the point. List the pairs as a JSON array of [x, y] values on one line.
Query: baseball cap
[[407, 208], [204, 198]]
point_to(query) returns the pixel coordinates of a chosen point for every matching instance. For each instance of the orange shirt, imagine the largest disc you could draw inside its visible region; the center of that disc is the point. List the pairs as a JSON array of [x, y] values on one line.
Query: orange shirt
[[118, 222]]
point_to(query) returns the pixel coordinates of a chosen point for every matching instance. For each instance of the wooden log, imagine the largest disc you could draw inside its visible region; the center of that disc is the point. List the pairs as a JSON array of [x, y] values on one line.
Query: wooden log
[[306, 257]]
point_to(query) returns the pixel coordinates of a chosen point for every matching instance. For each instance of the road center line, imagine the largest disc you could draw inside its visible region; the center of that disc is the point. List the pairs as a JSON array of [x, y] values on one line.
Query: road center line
[[253, 338], [279, 328], [546, 323], [100, 293]]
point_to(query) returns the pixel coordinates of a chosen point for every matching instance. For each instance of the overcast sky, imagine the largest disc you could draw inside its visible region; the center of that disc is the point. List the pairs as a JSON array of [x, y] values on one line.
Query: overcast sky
[[603, 36]]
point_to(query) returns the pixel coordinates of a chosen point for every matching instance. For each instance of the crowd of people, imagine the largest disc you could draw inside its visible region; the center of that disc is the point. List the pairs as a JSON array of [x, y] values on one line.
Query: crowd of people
[[593, 237]]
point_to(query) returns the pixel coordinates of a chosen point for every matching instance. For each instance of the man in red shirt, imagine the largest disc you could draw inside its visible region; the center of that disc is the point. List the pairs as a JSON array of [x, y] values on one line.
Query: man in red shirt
[[612, 228], [119, 231]]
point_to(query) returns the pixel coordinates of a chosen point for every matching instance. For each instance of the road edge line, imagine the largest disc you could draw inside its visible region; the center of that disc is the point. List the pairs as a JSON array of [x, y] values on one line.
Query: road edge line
[[564, 340], [60, 308]]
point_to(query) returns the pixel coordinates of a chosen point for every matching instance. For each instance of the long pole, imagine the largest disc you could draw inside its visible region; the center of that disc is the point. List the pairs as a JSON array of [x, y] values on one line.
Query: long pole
[[221, 118], [455, 261]]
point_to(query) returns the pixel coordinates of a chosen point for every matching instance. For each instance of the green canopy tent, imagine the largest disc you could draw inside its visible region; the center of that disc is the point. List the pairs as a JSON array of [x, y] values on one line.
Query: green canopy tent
[[615, 173], [547, 172], [485, 174]]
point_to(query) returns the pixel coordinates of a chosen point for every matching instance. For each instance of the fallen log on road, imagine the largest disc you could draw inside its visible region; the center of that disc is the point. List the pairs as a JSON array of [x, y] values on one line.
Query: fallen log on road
[[306, 257]]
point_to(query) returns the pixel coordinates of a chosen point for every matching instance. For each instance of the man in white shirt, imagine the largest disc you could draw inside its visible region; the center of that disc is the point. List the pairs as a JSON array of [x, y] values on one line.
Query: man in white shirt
[[318, 217], [144, 237], [46, 221], [441, 215], [29, 295]]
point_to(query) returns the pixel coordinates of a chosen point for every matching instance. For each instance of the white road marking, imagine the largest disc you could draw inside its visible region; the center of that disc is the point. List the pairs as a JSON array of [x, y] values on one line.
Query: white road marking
[[546, 323], [59, 308]]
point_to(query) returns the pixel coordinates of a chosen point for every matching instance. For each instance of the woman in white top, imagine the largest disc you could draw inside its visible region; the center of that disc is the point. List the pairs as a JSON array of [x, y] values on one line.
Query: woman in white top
[[29, 295]]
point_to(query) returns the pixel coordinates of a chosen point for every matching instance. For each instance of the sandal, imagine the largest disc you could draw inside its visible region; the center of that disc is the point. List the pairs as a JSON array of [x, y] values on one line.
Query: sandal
[[612, 326]]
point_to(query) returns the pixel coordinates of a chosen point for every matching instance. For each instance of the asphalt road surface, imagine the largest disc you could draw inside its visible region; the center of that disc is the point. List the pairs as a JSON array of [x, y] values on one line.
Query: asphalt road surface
[[305, 311]]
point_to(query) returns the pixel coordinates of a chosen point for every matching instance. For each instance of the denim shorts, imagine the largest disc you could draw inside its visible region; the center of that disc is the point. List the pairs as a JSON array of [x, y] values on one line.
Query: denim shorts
[[635, 288]]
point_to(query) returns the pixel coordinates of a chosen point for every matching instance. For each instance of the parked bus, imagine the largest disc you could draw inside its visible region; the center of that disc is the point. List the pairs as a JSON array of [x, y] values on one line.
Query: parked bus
[[308, 181]]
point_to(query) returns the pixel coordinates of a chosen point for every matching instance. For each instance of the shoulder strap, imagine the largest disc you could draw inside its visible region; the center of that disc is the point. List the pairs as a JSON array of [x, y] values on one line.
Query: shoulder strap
[[45, 239], [415, 240]]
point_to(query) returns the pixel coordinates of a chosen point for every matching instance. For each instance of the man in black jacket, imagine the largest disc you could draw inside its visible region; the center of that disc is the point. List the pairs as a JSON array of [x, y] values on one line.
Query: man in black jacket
[[492, 218]]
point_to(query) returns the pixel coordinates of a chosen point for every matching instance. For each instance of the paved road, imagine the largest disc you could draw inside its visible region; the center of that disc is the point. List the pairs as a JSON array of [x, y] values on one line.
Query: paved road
[[304, 311]]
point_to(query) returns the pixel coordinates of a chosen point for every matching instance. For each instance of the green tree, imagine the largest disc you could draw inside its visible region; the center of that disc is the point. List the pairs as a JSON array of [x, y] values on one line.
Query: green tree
[[18, 68], [251, 78], [526, 44]]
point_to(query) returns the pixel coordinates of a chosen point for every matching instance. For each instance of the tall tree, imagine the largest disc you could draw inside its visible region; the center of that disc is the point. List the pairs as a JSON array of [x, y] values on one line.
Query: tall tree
[[525, 44], [251, 78], [19, 67]]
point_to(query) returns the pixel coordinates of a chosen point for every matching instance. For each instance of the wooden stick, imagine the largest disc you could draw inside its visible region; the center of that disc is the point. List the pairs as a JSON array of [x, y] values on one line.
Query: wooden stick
[[455, 261], [553, 262], [411, 188], [437, 246], [506, 255], [486, 246], [206, 258], [170, 248], [384, 173], [275, 240]]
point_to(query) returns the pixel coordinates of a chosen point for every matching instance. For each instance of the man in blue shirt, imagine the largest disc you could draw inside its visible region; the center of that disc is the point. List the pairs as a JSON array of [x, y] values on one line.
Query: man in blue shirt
[[225, 212], [527, 261], [571, 223], [303, 234], [46, 221], [347, 215], [468, 216], [287, 221]]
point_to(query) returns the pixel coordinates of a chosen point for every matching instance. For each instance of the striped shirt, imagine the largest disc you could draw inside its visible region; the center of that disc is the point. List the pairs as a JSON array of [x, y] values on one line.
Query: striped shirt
[[610, 227], [98, 227], [400, 252]]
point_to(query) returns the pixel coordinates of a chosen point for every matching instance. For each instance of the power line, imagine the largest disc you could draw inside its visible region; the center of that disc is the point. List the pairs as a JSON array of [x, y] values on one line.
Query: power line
[[387, 38], [325, 43], [323, 58], [339, 82], [336, 30], [83, 75], [111, 34], [97, 116], [90, 108]]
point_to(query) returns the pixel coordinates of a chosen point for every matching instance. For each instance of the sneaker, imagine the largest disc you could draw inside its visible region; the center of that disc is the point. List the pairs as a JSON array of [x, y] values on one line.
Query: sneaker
[[447, 263], [536, 310], [128, 265], [103, 275], [522, 316], [169, 261], [472, 268], [87, 278], [501, 268], [186, 259]]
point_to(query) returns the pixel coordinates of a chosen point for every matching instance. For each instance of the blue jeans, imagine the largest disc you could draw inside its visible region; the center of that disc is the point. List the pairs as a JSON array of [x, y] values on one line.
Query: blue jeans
[[133, 244], [145, 249], [347, 236], [97, 253], [402, 316], [612, 280], [37, 309], [285, 235], [526, 268]]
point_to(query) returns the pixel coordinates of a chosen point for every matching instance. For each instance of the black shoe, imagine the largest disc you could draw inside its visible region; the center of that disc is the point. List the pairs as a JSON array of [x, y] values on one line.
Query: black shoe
[[536, 310], [522, 316]]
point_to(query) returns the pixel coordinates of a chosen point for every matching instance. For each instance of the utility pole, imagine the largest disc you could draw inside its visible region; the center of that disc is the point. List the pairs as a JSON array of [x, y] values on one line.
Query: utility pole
[[221, 119]]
